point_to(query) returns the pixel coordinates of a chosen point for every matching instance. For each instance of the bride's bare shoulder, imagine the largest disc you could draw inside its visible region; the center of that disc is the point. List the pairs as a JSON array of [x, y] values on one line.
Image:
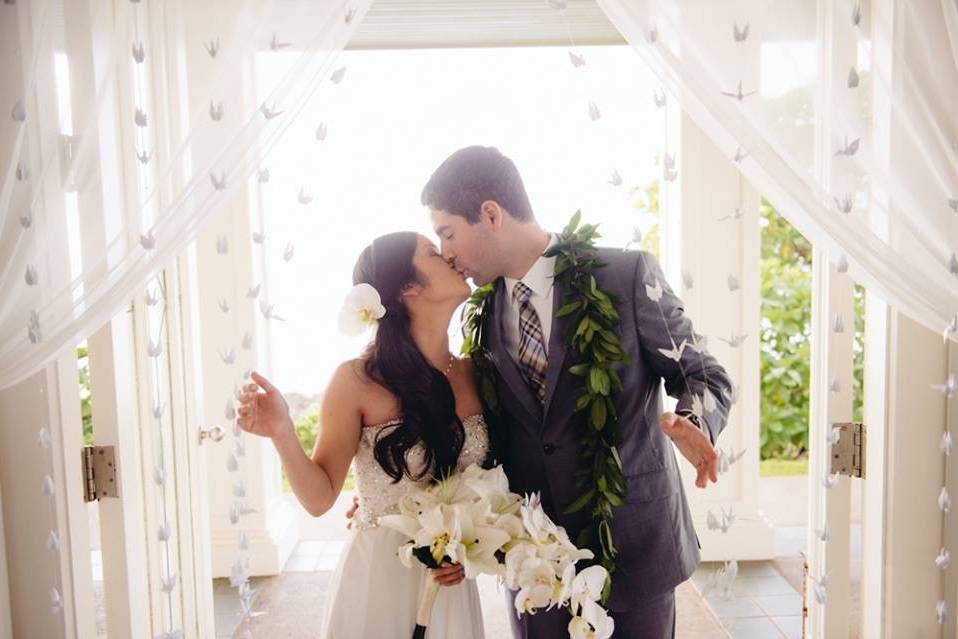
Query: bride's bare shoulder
[[352, 382], [353, 375]]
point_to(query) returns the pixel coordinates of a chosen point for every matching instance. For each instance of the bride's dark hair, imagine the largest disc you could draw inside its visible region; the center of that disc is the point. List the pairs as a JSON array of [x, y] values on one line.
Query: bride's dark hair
[[392, 359]]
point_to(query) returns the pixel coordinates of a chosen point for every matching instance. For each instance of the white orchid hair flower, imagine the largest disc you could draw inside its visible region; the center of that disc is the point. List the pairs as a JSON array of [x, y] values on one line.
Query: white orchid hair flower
[[362, 308]]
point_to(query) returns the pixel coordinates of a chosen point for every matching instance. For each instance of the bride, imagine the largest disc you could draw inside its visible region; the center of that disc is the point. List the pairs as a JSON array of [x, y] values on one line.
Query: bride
[[407, 410]]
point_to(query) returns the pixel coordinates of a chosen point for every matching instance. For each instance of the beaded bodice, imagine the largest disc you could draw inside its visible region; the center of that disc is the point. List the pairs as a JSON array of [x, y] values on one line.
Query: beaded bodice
[[377, 493]]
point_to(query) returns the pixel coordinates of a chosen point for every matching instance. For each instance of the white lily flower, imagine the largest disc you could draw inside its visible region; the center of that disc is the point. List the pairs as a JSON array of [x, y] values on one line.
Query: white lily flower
[[362, 309], [480, 544], [440, 531]]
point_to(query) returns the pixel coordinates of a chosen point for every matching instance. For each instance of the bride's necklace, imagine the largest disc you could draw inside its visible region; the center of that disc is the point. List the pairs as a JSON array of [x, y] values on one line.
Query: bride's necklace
[[452, 360]]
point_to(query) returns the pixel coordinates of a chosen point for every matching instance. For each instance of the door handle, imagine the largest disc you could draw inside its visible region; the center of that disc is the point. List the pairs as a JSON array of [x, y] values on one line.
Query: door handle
[[213, 433]]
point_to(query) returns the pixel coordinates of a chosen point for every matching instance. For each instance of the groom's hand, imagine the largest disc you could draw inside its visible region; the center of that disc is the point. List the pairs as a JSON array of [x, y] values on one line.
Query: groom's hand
[[351, 512], [694, 445]]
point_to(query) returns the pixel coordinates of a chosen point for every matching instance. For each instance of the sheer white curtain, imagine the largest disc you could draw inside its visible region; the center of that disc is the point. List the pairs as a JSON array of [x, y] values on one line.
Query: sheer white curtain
[[116, 148], [841, 113]]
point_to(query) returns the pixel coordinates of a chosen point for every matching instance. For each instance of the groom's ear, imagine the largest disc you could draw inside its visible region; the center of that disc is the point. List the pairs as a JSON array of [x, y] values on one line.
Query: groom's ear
[[491, 212]]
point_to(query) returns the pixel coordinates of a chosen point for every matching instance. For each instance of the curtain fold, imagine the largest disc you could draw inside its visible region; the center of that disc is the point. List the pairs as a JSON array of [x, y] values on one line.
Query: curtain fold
[[133, 128], [134, 124], [843, 119]]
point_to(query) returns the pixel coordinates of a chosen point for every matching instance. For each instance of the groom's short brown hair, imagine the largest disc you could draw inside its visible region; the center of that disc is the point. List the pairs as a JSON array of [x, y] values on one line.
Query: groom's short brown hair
[[474, 175]]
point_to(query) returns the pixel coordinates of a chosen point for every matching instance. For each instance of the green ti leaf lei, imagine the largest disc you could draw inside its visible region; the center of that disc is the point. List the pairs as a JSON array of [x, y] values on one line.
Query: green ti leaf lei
[[592, 336]]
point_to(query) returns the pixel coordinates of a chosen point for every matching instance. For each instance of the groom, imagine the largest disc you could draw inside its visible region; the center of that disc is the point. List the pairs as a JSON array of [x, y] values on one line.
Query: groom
[[482, 215]]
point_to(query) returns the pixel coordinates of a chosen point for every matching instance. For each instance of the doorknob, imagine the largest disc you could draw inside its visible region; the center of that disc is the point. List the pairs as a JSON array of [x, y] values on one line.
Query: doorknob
[[214, 433]]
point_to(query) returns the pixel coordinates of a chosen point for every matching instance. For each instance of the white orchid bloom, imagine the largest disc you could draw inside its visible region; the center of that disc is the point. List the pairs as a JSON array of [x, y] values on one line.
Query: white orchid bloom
[[534, 518], [565, 592], [595, 623], [538, 585], [362, 309], [587, 586]]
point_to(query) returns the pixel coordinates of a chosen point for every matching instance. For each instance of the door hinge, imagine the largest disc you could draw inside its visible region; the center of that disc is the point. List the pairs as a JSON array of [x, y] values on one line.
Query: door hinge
[[99, 473], [848, 453]]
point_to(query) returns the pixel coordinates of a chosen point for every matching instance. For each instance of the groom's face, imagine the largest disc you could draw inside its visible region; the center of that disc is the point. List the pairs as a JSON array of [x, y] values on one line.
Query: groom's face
[[469, 248]]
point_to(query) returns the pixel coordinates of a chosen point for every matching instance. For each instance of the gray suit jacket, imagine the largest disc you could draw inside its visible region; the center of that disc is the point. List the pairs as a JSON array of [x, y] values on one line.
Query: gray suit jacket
[[653, 531]]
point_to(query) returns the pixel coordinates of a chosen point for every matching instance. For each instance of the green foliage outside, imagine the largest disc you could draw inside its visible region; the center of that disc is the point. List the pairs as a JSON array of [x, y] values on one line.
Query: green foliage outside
[[786, 276], [786, 281], [86, 409], [307, 427], [647, 205]]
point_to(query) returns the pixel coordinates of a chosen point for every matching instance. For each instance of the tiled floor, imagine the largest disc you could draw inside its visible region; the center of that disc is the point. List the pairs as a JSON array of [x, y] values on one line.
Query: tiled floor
[[762, 604], [227, 606]]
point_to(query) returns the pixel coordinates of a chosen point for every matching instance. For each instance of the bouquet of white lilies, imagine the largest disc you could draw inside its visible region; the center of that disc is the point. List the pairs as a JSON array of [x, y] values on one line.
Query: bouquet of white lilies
[[472, 519]]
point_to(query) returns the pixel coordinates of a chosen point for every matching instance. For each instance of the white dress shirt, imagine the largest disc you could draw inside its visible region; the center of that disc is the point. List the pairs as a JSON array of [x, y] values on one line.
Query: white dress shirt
[[539, 279]]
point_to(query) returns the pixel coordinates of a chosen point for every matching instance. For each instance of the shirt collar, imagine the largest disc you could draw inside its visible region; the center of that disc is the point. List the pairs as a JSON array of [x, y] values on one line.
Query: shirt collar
[[539, 276]]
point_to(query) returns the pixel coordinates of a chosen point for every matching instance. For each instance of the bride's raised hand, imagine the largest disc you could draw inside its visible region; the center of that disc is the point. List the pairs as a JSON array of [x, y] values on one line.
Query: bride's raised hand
[[266, 413]]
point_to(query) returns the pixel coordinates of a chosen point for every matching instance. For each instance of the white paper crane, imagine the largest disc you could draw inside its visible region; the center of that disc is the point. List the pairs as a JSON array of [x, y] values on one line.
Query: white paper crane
[[33, 328], [674, 353], [148, 241], [594, 113], [44, 439], [838, 324], [738, 94], [276, 45], [943, 560], [218, 181], [734, 340], [18, 113], [216, 111], [740, 35], [849, 148]]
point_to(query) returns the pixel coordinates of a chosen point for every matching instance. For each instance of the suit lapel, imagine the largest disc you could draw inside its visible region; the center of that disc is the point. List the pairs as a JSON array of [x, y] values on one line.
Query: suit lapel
[[504, 361], [557, 350]]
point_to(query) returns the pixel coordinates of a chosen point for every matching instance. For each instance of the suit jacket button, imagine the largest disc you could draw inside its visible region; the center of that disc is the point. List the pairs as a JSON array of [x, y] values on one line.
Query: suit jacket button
[[548, 449]]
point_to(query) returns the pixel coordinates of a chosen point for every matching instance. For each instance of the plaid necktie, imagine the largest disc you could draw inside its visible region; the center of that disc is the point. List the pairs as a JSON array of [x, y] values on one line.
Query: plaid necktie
[[532, 352]]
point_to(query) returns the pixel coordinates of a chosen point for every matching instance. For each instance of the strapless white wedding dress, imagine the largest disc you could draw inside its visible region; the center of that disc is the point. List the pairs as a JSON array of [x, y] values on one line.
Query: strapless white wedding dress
[[372, 594]]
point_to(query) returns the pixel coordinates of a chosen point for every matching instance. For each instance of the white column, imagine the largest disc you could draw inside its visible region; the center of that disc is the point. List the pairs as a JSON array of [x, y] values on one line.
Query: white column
[[47, 398], [908, 542], [831, 358], [6, 625], [711, 250], [272, 529]]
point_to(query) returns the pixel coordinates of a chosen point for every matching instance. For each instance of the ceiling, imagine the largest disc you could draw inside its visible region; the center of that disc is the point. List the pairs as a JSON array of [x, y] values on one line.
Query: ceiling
[[404, 24]]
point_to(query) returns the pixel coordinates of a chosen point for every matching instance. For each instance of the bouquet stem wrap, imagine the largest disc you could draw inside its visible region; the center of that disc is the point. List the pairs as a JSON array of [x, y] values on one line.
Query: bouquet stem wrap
[[427, 597]]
